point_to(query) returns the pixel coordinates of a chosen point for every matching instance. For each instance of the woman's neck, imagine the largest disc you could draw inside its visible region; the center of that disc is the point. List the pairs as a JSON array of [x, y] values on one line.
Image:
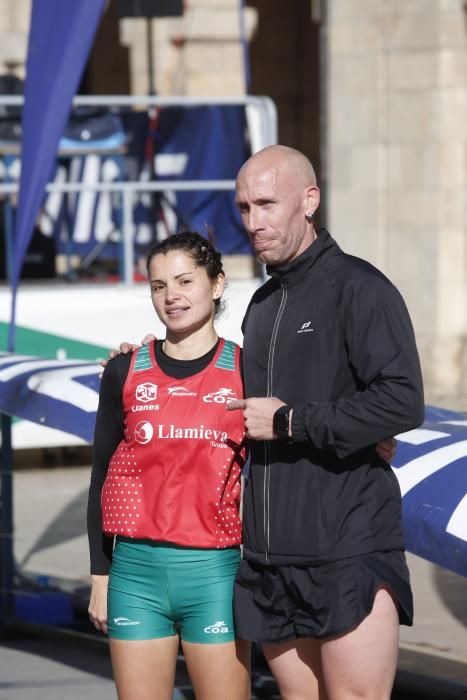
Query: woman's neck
[[190, 347]]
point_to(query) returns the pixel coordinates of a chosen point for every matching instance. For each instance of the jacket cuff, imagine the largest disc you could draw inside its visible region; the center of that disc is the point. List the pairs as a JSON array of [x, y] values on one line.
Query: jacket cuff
[[299, 432]]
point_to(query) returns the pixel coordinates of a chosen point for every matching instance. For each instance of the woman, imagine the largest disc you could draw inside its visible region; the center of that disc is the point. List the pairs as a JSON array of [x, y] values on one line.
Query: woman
[[166, 484]]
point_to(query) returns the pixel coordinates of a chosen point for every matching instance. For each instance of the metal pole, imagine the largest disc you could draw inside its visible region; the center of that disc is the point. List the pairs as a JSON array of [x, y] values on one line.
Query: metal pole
[[152, 89], [6, 519], [128, 247], [7, 565]]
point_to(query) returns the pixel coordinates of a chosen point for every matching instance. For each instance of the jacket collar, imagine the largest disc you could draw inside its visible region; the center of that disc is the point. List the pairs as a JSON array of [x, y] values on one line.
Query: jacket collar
[[299, 267]]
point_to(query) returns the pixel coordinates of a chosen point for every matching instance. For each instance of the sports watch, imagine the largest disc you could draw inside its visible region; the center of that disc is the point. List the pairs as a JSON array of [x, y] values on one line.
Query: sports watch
[[280, 422]]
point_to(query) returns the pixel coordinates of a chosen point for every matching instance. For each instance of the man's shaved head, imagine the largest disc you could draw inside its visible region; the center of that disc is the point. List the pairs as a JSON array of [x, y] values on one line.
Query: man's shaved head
[[277, 196], [284, 157]]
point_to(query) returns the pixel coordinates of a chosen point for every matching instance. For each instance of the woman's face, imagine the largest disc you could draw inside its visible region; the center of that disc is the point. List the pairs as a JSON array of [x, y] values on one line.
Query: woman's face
[[182, 293]]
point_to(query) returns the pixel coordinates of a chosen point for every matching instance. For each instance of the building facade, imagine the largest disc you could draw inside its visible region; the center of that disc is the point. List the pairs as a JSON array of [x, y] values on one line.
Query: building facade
[[373, 91]]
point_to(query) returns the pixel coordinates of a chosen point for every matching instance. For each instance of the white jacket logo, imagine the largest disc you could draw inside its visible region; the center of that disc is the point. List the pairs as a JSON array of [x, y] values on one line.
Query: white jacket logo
[[146, 392], [222, 395], [306, 328], [218, 627]]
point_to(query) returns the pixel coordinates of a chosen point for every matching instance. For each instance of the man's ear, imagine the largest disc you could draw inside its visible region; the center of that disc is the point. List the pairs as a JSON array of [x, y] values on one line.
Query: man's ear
[[312, 199]]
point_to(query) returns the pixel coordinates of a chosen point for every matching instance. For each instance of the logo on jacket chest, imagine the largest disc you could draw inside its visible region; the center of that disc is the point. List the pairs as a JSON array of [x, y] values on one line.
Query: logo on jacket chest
[[306, 327]]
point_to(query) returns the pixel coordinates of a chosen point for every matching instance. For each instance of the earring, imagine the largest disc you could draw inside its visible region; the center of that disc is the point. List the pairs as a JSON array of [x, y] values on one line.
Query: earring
[[309, 215]]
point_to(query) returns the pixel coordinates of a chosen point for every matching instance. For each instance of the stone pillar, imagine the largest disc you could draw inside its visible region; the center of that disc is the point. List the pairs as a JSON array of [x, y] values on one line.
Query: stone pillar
[[397, 145], [14, 29], [197, 54]]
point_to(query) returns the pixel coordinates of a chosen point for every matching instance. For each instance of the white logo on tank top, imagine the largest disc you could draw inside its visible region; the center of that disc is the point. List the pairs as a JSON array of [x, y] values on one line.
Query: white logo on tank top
[[143, 432], [146, 392], [180, 391], [222, 395]]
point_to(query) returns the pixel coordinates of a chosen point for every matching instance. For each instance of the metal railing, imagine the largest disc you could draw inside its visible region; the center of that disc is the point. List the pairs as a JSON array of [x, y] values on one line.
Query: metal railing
[[262, 120]]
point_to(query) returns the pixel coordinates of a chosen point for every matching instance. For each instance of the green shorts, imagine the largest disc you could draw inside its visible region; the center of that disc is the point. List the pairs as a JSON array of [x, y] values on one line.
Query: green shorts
[[158, 590]]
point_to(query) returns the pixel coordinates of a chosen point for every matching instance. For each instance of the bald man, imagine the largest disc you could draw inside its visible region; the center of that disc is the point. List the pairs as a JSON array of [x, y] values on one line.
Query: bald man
[[330, 368]]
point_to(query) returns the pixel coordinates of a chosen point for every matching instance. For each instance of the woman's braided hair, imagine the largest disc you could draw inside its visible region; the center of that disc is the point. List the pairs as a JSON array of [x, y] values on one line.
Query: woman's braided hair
[[201, 249]]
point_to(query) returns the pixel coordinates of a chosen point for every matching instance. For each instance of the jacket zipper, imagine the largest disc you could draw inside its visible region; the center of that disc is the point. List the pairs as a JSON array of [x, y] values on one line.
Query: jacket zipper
[[269, 392]]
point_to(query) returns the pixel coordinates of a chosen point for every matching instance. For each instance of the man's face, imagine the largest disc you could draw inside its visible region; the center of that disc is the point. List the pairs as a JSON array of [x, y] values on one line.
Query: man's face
[[272, 206]]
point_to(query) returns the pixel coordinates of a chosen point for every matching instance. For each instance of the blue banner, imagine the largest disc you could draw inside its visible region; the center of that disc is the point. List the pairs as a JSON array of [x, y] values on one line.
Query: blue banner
[[430, 464], [61, 394], [431, 467], [60, 38]]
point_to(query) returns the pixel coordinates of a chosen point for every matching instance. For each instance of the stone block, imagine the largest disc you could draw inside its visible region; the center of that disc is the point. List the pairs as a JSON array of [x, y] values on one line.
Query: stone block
[[452, 206], [5, 19], [416, 30], [447, 361], [133, 31], [339, 167], [356, 37], [452, 68], [413, 70], [214, 84], [452, 163], [452, 29], [354, 219], [213, 57], [411, 210], [412, 166], [354, 9], [453, 113], [354, 120], [13, 47], [21, 15], [413, 116], [452, 258], [368, 167], [356, 75], [221, 24], [411, 252], [410, 7], [450, 4]]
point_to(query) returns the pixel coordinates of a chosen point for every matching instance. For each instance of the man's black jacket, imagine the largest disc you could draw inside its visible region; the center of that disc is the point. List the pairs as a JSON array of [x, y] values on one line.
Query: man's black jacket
[[330, 336]]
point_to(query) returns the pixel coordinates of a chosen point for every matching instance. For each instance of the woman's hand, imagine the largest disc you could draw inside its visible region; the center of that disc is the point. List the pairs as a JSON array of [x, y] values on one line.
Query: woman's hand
[[387, 449], [98, 602]]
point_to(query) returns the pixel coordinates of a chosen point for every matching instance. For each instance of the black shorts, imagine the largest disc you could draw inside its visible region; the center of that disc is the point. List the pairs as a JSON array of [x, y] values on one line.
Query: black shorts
[[279, 603]]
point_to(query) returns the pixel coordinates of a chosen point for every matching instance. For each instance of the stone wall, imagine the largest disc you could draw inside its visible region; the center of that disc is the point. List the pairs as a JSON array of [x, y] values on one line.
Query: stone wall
[[397, 163], [396, 128], [197, 54], [14, 27]]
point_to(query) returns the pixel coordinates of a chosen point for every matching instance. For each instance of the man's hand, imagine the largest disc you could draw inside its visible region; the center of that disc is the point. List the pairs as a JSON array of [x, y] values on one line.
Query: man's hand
[[125, 347], [258, 414]]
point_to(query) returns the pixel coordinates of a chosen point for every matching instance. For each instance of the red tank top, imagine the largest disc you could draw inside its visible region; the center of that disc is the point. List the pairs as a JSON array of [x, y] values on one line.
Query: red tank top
[[175, 477]]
